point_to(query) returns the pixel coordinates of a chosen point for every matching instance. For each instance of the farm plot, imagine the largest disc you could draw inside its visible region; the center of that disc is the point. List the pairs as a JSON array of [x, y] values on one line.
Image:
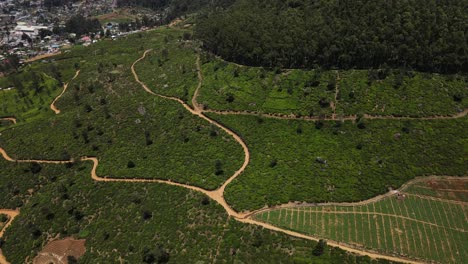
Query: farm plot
[[412, 222]]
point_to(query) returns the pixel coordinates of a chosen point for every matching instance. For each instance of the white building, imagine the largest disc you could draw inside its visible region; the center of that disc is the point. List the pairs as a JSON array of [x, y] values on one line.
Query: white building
[[30, 30]]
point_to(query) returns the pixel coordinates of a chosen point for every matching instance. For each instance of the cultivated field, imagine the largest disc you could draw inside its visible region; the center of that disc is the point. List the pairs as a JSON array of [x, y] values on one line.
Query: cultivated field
[[426, 220], [181, 179]]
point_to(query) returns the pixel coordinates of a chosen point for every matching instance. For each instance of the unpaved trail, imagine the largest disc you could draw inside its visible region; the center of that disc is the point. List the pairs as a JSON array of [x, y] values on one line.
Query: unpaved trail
[[369, 253], [44, 56], [65, 86], [8, 158], [195, 104], [11, 119], [217, 195], [337, 91], [12, 214]]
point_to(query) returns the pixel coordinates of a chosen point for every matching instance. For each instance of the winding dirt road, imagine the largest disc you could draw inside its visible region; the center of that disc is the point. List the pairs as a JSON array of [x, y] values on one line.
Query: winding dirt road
[[65, 86], [216, 195], [11, 119], [11, 214]]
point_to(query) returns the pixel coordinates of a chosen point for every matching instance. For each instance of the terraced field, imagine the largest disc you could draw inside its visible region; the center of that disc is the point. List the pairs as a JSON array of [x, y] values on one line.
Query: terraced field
[[426, 219]]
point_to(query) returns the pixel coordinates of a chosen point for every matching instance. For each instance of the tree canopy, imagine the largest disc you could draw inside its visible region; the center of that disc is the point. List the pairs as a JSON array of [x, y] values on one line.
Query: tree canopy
[[428, 35], [81, 25]]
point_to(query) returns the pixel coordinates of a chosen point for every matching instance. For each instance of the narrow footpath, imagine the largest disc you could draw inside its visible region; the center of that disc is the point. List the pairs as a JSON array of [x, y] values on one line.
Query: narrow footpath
[[65, 86]]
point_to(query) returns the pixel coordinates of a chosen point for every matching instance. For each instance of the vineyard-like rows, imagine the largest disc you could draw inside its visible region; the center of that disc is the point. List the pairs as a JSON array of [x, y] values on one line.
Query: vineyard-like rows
[[409, 224]]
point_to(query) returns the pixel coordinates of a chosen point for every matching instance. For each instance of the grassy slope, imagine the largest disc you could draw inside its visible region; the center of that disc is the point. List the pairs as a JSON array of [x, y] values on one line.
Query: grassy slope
[[299, 91], [40, 82], [421, 95], [106, 114], [388, 157], [257, 89], [66, 202], [170, 69]]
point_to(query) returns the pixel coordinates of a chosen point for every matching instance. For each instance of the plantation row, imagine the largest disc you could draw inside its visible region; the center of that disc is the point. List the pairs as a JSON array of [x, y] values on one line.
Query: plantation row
[[449, 190], [430, 230]]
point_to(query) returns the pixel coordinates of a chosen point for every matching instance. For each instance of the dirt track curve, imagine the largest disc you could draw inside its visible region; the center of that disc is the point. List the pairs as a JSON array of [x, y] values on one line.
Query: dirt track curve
[[65, 86], [11, 214], [217, 195], [11, 119]]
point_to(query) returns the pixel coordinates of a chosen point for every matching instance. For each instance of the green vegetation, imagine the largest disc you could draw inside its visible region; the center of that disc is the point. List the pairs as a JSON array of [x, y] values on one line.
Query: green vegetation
[[106, 114], [131, 221], [33, 89], [427, 35], [339, 161], [404, 224], [401, 93], [227, 86], [170, 69]]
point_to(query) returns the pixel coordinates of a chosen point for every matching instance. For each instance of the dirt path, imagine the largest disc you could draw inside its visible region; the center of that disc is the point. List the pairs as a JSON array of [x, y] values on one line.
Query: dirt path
[[337, 91], [8, 158], [65, 86], [195, 104], [12, 214], [11, 119], [44, 56], [218, 195]]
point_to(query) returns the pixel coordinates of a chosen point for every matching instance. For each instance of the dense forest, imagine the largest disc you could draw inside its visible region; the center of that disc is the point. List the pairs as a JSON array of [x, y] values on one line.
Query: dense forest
[[80, 25], [427, 35]]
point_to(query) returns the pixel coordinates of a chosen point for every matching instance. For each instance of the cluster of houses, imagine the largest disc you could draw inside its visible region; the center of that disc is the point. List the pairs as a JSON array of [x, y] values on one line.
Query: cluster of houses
[[29, 31]]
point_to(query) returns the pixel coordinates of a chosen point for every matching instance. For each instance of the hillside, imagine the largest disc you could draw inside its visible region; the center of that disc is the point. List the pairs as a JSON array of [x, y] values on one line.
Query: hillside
[[154, 148]]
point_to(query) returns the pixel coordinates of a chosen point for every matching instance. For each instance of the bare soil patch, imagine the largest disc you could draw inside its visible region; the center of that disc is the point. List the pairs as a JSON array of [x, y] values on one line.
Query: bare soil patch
[[58, 251]]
